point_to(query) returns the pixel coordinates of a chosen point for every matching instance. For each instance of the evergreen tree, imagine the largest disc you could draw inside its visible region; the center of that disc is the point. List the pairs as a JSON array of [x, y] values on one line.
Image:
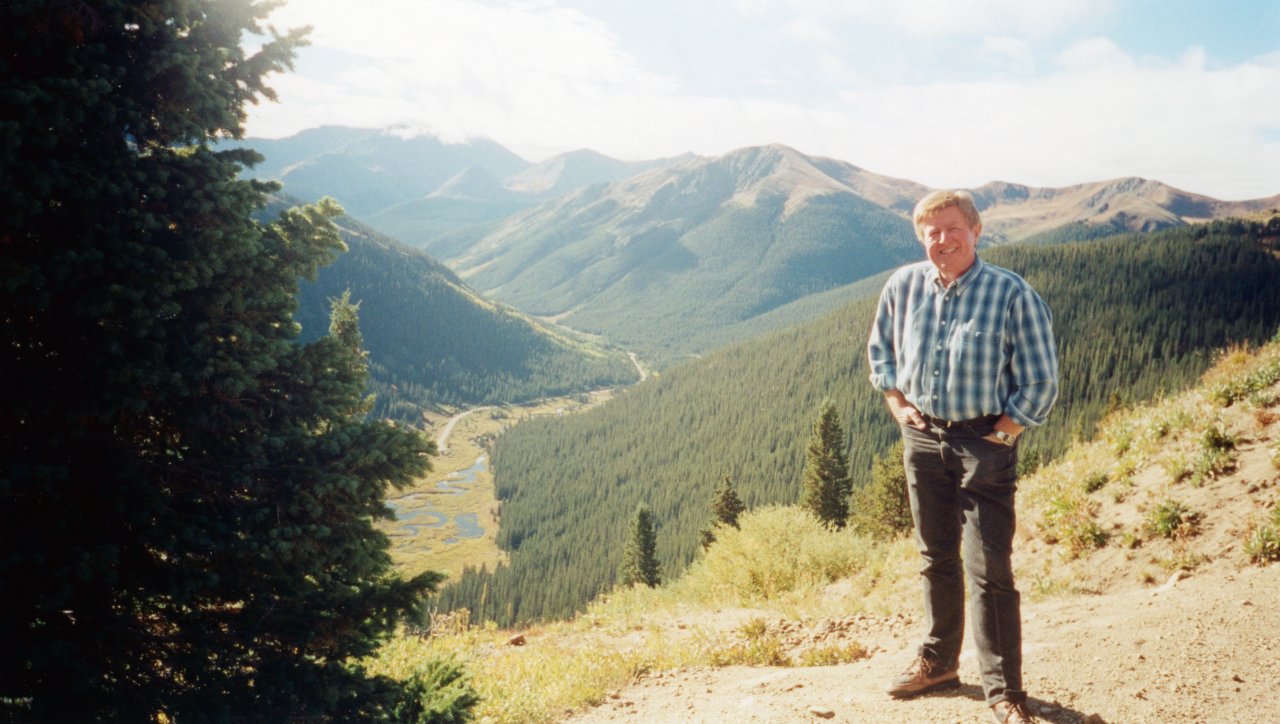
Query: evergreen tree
[[726, 506], [881, 508], [826, 474], [640, 557], [187, 494]]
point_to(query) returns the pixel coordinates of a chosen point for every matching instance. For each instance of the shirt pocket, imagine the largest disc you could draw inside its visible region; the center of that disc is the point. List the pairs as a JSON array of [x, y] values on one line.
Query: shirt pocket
[[975, 349]]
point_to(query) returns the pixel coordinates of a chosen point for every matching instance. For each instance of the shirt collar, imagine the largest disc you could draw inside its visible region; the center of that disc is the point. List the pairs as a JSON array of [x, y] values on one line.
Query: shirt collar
[[973, 272]]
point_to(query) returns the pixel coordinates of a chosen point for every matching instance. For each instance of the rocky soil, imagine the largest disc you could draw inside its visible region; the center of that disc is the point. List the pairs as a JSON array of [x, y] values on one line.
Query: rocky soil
[[1144, 630], [1200, 648]]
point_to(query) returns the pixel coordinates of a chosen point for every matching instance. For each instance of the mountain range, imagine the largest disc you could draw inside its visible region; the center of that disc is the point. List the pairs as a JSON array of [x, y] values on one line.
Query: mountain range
[[673, 257]]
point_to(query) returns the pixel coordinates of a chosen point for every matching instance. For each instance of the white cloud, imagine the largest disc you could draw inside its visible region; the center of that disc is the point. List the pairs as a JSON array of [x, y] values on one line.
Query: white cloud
[[1013, 53], [947, 17], [1172, 124], [541, 79], [809, 29], [1094, 54], [465, 67]]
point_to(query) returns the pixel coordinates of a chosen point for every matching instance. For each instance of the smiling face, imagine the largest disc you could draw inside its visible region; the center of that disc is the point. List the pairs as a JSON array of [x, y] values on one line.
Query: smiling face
[[952, 245]]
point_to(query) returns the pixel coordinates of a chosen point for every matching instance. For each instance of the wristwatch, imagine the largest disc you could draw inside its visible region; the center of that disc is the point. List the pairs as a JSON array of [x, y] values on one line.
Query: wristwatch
[[1006, 438]]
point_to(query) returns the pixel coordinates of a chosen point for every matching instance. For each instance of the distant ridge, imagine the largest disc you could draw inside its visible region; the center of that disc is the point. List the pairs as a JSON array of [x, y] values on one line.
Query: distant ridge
[[567, 172], [673, 257], [368, 170], [1012, 212], [473, 184], [659, 259]]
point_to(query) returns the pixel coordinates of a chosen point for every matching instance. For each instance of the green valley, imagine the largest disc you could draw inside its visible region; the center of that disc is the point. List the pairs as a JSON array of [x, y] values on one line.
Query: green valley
[[1121, 306], [434, 341]]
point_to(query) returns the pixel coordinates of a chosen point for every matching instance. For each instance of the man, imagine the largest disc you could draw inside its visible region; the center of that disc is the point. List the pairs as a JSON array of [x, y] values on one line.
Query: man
[[964, 354]]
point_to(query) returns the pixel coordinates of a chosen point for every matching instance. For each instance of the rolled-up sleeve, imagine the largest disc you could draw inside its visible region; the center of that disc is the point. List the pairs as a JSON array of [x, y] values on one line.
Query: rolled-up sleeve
[[880, 348], [1034, 362]]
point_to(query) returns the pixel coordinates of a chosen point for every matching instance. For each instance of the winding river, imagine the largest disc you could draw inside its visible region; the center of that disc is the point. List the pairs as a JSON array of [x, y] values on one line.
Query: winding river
[[412, 517]]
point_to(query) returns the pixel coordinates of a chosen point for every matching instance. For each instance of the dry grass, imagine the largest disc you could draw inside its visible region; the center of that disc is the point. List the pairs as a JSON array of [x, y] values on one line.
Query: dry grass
[[1165, 486]]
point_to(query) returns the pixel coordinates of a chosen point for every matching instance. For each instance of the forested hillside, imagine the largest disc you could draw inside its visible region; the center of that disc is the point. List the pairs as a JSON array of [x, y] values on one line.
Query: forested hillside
[[661, 260], [1135, 315], [433, 340]]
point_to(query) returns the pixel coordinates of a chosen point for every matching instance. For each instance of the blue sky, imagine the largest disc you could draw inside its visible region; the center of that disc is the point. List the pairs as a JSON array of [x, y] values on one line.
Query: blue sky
[[944, 92]]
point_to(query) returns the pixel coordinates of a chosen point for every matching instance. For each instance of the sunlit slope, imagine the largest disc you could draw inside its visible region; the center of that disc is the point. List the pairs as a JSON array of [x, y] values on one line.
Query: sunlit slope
[[659, 260], [433, 340], [1135, 315]]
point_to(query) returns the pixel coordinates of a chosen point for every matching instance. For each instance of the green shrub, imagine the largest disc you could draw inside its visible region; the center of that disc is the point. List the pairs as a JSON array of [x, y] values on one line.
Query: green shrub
[[1178, 467], [438, 692], [1172, 518], [1217, 455], [1263, 542], [834, 654], [881, 507], [1069, 520], [1228, 393], [1215, 437], [1209, 464], [765, 650], [1095, 481]]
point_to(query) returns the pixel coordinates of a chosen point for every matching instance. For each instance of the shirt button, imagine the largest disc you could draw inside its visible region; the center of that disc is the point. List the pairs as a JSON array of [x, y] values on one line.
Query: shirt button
[[935, 373]]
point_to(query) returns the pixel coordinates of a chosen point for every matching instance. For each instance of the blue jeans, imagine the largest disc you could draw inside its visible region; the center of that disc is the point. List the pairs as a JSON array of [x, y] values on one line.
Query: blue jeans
[[962, 503]]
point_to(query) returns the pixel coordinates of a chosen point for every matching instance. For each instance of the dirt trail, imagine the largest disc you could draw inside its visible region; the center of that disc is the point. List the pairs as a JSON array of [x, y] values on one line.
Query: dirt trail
[[442, 440], [1205, 648], [1140, 645]]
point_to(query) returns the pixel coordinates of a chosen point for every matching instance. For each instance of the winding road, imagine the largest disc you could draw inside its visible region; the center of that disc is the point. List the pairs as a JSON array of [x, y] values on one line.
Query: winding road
[[442, 440]]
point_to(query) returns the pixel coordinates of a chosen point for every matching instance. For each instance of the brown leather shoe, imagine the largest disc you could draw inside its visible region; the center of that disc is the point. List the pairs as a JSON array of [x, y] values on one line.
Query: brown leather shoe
[[922, 677], [1012, 712]]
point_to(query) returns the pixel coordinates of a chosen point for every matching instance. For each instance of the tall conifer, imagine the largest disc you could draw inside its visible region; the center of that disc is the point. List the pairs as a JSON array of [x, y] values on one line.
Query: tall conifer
[[826, 473], [726, 506], [640, 557], [187, 495], [881, 507]]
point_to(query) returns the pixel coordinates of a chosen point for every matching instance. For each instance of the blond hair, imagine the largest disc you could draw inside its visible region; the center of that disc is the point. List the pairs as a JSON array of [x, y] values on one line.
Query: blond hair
[[939, 200]]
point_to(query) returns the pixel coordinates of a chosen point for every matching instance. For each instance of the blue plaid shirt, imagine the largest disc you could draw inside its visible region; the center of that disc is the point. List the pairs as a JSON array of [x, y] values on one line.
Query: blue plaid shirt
[[982, 345]]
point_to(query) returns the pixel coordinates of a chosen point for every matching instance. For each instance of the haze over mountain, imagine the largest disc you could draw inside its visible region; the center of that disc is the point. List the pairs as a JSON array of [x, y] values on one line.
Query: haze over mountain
[[567, 172], [432, 340], [674, 257], [681, 256], [369, 170], [659, 259], [419, 188]]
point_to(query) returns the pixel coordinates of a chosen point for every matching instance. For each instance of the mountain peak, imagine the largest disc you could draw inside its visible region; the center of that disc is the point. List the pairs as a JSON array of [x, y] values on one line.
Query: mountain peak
[[777, 170]]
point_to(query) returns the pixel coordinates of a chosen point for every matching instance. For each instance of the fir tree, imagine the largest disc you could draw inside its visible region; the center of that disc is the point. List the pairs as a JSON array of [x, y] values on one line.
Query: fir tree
[[826, 474], [640, 557], [726, 506], [187, 495], [881, 508]]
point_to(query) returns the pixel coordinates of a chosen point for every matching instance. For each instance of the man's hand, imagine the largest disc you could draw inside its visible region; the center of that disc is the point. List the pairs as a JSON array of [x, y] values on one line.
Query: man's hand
[[904, 412], [1004, 424]]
